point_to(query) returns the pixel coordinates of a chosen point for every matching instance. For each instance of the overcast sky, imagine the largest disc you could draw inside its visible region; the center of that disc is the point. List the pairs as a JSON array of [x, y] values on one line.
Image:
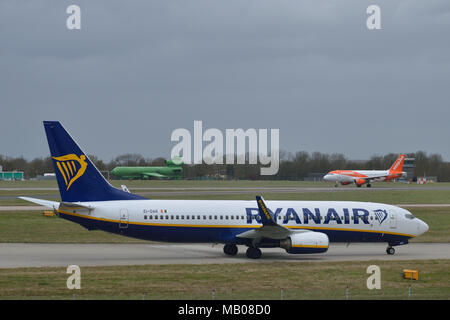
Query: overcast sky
[[137, 70]]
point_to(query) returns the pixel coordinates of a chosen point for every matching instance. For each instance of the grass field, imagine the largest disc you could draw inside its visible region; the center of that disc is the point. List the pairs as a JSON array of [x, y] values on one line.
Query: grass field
[[308, 280], [33, 226], [381, 196], [436, 193], [410, 193]]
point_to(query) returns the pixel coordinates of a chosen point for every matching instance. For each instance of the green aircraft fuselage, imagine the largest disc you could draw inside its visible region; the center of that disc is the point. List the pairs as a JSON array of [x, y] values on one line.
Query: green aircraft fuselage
[[172, 172]]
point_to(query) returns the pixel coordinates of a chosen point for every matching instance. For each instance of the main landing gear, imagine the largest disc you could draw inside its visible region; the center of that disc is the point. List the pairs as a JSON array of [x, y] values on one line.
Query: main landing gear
[[390, 250], [230, 249], [253, 253]]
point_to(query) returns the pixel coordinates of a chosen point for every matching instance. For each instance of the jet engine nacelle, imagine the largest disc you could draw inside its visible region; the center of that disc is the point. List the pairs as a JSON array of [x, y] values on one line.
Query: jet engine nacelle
[[307, 242], [360, 182]]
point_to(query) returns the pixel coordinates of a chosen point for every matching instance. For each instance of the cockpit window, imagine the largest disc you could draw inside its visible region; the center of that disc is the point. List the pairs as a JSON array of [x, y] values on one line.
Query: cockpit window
[[409, 216]]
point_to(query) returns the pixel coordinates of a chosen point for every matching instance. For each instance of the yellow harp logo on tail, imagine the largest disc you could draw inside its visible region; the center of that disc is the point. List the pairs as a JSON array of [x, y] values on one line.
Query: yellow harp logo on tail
[[71, 167]]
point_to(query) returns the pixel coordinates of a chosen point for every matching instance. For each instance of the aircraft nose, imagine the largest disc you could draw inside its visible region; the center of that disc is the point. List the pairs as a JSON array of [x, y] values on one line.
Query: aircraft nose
[[423, 227], [327, 177]]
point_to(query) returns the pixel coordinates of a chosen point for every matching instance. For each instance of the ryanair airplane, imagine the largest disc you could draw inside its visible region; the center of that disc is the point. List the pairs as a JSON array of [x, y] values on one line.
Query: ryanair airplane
[[299, 227]]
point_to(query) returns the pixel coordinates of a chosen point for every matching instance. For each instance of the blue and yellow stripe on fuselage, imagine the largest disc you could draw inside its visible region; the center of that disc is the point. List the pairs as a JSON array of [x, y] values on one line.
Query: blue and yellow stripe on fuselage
[[189, 233]]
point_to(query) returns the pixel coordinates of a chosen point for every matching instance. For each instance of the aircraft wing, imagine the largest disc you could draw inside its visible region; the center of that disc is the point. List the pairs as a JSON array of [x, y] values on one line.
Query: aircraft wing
[[154, 175], [270, 229], [374, 177], [58, 205]]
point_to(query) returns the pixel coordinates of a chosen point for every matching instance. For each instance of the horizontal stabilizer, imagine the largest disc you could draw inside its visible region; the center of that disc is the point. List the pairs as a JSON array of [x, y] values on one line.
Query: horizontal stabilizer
[[45, 203], [70, 206]]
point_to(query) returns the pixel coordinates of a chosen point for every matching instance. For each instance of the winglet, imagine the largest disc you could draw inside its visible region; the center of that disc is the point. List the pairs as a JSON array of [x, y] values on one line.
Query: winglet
[[266, 217]]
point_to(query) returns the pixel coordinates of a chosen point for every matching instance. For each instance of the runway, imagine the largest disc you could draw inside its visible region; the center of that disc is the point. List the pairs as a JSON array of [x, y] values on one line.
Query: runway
[[179, 192], [14, 255], [152, 192]]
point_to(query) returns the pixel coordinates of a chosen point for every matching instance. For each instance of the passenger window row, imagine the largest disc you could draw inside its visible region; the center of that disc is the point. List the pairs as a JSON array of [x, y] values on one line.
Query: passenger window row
[[193, 217], [226, 217]]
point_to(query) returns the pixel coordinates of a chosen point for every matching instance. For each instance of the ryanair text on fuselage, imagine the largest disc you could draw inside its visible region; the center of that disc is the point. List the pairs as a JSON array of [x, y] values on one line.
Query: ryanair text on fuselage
[[339, 216]]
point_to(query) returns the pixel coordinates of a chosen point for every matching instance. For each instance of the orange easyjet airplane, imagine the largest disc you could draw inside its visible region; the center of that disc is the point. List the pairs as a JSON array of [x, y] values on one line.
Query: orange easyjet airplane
[[360, 177]]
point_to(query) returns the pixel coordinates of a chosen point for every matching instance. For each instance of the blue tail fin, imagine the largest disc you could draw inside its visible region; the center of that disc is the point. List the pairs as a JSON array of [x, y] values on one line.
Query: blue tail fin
[[78, 178]]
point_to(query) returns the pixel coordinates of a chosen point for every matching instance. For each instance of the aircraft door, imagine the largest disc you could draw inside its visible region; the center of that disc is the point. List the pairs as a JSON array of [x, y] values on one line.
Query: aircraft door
[[123, 219], [392, 221]]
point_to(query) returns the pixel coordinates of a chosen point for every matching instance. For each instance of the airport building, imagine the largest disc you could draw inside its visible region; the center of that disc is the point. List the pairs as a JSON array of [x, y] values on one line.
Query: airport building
[[409, 167], [10, 175], [46, 176]]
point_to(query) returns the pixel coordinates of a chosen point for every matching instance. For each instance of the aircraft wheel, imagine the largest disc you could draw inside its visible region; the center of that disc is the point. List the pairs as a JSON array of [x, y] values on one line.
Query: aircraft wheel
[[230, 249], [253, 253], [390, 250], [369, 185], [358, 185]]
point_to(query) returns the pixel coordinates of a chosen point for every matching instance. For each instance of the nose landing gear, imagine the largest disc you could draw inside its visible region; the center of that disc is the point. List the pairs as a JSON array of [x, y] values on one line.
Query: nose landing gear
[[390, 250]]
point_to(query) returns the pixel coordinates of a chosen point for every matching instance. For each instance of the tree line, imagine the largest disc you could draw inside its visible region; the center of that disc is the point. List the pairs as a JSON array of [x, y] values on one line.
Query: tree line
[[300, 165], [293, 166]]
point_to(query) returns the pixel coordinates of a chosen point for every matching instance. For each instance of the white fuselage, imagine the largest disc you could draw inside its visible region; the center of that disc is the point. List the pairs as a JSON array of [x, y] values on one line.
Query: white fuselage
[[221, 221], [351, 175], [364, 176]]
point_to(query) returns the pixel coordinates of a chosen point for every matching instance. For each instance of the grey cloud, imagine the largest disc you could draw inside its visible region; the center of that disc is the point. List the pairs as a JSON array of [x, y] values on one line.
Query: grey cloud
[[139, 69]]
